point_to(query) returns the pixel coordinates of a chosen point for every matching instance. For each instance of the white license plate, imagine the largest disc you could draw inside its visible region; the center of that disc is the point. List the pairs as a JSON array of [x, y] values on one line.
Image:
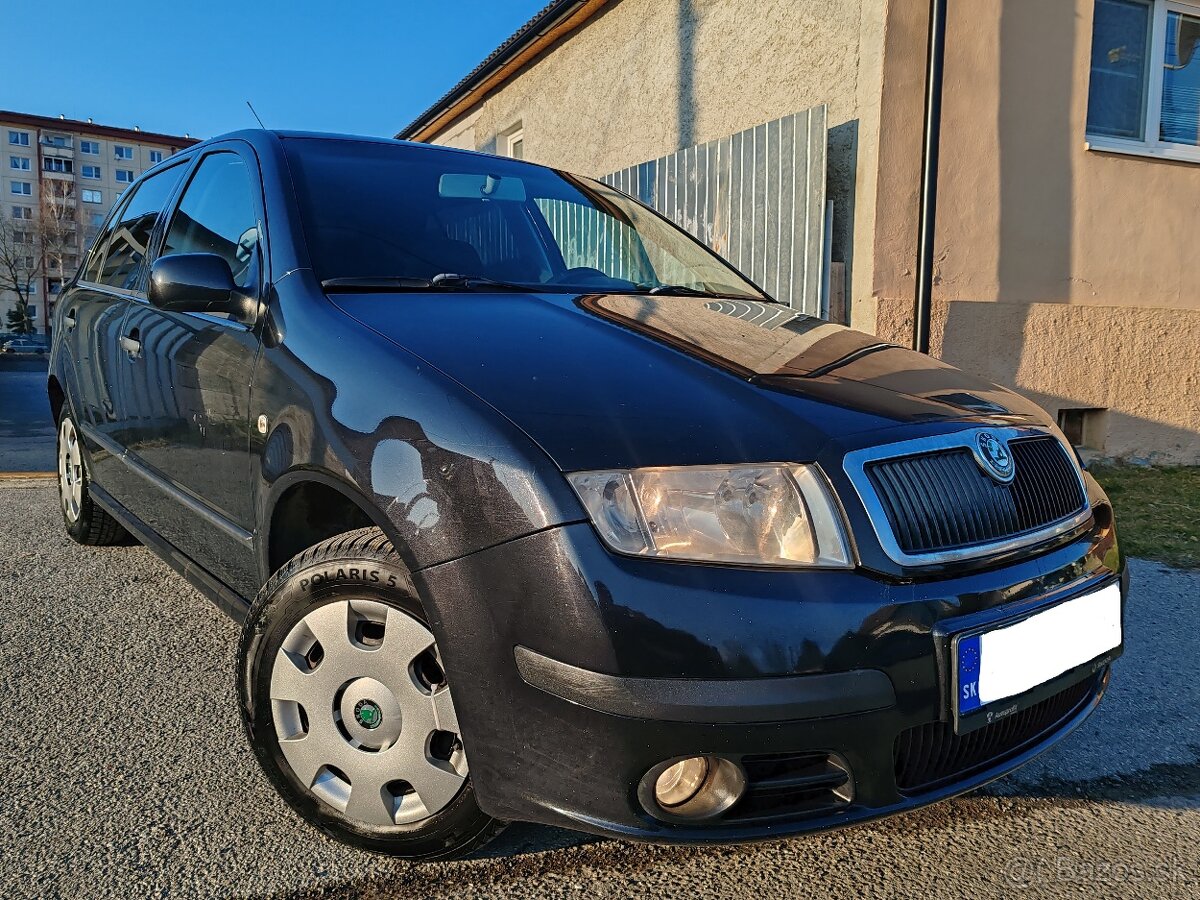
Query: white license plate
[[1012, 659]]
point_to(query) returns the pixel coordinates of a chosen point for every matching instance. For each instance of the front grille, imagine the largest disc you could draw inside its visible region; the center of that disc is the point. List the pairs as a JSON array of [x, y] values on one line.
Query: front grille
[[943, 500], [786, 785], [932, 755]]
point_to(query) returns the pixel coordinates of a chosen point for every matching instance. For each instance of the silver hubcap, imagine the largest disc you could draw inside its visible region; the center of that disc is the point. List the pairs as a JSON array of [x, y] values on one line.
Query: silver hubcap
[[70, 471], [363, 713]]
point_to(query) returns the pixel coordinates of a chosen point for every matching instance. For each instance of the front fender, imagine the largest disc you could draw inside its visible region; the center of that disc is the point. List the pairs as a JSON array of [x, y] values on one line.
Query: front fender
[[447, 472]]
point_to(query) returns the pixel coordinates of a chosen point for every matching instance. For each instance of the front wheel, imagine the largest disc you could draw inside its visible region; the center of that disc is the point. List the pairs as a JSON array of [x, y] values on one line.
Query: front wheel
[[347, 706]]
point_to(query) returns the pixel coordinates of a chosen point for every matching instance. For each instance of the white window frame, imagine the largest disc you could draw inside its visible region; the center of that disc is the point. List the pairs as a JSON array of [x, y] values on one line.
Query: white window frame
[[98, 194], [83, 171], [18, 138], [122, 151], [517, 135], [20, 163], [1151, 145], [27, 189], [117, 173], [156, 156], [86, 143]]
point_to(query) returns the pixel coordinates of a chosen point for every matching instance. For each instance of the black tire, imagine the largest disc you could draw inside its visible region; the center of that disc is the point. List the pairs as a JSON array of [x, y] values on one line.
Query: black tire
[[85, 521], [292, 593]]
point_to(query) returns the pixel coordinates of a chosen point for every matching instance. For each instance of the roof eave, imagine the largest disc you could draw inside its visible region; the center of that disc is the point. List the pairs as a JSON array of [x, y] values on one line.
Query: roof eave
[[554, 22], [51, 123]]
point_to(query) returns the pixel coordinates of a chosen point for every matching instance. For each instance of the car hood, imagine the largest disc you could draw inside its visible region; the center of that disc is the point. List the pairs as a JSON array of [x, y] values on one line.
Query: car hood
[[608, 381]]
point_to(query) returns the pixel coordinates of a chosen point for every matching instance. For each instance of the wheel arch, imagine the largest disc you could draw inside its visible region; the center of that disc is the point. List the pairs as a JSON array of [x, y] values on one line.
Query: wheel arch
[[291, 526]]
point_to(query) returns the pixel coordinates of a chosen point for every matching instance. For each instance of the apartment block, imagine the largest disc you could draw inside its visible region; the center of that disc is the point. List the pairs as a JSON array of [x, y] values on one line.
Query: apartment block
[[76, 171]]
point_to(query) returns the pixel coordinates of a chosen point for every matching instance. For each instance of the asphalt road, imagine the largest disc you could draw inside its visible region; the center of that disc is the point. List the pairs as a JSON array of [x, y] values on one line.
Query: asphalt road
[[26, 429], [123, 771]]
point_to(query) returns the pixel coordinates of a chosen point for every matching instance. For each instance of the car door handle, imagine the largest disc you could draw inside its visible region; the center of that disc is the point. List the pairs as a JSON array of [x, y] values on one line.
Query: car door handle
[[131, 345], [69, 319]]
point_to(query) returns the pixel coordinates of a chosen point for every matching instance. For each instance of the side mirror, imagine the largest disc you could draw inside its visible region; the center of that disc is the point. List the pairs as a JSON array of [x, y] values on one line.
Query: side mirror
[[193, 282]]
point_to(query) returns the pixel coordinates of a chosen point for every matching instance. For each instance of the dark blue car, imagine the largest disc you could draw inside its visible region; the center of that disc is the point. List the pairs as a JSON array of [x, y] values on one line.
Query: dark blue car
[[534, 508]]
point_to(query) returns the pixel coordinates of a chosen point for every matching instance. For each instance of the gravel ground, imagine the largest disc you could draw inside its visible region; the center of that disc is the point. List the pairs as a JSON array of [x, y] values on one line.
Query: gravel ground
[[125, 773]]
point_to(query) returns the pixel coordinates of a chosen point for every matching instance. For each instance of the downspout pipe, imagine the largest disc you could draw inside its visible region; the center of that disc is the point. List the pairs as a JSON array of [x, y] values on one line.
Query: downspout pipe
[[927, 219]]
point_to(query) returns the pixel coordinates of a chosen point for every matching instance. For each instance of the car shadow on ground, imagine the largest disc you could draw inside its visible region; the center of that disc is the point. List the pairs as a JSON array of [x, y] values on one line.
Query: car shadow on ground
[[527, 853]]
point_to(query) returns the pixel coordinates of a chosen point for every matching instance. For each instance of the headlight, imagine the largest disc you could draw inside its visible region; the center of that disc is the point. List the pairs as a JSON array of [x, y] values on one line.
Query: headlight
[[768, 515]]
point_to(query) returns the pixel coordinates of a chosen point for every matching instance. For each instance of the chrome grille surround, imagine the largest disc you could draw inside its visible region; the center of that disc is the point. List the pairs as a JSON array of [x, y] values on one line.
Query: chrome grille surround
[[856, 466]]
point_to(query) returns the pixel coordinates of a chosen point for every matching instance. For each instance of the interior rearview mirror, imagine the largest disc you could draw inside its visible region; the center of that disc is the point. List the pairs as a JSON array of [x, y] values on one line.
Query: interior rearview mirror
[[481, 187], [194, 282]]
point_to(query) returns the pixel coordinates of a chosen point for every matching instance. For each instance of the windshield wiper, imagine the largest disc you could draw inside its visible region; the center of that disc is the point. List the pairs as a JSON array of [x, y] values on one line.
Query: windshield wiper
[[445, 281], [377, 283], [475, 282]]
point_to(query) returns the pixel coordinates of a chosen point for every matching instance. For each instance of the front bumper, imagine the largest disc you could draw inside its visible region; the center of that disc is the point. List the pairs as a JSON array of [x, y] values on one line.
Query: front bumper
[[575, 672]]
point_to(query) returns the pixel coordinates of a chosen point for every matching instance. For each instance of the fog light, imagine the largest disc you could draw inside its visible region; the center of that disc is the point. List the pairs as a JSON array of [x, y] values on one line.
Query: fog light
[[679, 783], [698, 787]]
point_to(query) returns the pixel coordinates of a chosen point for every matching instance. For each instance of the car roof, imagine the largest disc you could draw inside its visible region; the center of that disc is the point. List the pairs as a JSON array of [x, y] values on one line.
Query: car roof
[[260, 136]]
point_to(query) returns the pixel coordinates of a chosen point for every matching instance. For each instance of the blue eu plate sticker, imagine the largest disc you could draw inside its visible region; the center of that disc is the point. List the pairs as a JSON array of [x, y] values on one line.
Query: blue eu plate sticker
[[968, 674]]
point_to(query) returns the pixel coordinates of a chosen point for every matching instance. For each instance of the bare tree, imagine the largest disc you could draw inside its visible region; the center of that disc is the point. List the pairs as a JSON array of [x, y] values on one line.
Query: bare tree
[[20, 268], [58, 230]]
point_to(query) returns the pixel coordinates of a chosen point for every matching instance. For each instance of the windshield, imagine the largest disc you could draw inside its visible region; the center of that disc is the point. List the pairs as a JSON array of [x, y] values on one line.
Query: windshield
[[405, 216]]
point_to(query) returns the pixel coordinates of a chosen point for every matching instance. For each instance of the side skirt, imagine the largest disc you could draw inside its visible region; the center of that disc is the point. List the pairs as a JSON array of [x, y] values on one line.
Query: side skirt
[[227, 600]]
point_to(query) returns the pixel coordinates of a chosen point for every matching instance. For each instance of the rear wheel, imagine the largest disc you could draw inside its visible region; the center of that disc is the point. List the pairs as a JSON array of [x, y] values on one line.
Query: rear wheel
[[347, 705], [86, 522]]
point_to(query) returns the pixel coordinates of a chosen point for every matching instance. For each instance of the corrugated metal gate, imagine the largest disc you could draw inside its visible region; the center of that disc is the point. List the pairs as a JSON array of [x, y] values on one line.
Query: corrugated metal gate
[[756, 197]]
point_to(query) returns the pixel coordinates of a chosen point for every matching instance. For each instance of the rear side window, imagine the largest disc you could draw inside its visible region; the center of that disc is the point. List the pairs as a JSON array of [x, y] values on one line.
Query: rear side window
[[129, 232], [217, 215], [95, 261]]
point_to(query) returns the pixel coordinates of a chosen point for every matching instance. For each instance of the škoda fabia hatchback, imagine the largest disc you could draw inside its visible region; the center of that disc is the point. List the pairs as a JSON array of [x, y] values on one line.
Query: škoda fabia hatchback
[[533, 508]]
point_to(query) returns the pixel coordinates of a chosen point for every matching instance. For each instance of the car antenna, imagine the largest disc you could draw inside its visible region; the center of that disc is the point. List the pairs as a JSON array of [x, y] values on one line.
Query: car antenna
[[255, 114]]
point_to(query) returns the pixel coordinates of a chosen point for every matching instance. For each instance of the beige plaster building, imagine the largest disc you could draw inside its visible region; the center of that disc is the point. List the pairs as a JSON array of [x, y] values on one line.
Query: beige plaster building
[[82, 166], [1069, 181]]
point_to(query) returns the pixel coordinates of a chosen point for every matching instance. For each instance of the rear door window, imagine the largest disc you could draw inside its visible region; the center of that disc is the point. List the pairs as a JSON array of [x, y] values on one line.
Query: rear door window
[[95, 261], [130, 233]]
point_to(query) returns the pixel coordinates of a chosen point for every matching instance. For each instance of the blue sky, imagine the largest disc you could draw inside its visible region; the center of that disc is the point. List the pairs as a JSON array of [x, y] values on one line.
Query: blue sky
[[183, 66]]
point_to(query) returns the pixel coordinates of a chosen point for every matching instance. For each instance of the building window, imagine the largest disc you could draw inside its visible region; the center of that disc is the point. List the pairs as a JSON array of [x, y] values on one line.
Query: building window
[[54, 164], [1145, 78], [89, 171], [92, 196], [56, 140], [92, 148], [125, 176], [22, 212], [19, 138], [24, 188], [156, 156], [122, 151], [514, 144], [19, 162], [95, 220]]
